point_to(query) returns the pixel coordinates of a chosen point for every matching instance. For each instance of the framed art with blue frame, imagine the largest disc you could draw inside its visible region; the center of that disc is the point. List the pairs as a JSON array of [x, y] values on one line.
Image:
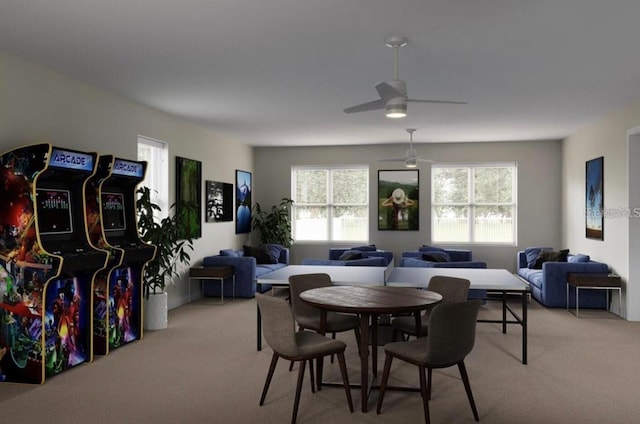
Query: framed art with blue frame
[[243, 201]]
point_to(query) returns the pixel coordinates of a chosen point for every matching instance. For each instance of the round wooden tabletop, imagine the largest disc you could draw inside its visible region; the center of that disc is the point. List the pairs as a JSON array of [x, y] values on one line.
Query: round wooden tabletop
[[370, 299]]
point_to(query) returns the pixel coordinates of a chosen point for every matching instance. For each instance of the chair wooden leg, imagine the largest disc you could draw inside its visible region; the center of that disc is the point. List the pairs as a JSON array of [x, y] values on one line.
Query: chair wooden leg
[[345, 379], [357, 331], [319, 367], [272, 367], [313, 380], [383, 383], [430, 371], [296, 402], [423, 392], [333, 336], [467, 388]]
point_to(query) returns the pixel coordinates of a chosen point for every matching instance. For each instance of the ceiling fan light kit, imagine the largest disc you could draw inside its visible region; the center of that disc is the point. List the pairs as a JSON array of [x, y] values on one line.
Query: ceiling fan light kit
[[393, 94]]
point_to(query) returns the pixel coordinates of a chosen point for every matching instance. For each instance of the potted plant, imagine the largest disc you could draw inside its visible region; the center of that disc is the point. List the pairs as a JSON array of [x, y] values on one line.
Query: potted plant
[[273, 226], [172, 255]]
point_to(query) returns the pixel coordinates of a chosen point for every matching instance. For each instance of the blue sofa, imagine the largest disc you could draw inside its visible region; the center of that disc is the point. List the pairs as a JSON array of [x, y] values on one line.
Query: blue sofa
[[549, 284], [369, 261], [367, 251], [246, 270], [458, 258]]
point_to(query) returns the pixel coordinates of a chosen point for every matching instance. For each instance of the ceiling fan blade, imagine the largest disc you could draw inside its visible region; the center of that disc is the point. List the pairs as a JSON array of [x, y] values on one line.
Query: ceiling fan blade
[[437, 101], [403, 159], [376, 104], [424, 160], [388, 92]]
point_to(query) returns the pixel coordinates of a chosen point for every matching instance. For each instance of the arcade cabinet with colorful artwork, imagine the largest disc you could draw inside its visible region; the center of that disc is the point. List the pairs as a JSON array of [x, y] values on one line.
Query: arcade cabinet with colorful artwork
[[47, 265], [97, 239], [119, 224]]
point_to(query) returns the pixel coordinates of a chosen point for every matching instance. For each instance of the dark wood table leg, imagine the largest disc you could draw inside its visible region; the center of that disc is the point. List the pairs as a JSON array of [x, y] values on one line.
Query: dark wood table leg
[[374, 345], [418, 323], [364, 359], [320, 361], [504, 312]]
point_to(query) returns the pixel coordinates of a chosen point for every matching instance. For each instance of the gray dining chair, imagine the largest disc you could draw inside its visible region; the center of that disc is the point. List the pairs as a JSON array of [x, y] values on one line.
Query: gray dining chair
[[302, 346], [453, 290], [452, 333], [308, 317]]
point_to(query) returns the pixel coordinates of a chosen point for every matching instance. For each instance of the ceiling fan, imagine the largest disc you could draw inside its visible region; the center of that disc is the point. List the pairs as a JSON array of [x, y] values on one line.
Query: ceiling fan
[[393, 94], [411, 157]]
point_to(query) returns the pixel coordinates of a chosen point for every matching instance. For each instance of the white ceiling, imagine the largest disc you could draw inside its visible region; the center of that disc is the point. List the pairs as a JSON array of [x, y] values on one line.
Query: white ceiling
[[279, 72]]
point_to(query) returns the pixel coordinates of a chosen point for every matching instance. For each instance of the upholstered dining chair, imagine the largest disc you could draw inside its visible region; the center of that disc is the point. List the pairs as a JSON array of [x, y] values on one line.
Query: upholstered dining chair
[[453, 290], [302, 346], [308, 317], [452, 334]]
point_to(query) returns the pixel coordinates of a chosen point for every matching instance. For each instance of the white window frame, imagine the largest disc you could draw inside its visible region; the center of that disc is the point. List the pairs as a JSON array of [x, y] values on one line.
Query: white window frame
[[157, 174], [471, 204], [329, 205]]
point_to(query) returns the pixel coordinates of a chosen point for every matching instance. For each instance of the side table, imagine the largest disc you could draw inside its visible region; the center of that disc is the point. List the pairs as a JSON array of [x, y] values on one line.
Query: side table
[[219, 273], [593, 281]]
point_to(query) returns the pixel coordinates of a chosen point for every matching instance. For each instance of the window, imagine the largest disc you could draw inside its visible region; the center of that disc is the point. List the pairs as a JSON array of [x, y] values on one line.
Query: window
[[474, 203], [155, 153], [330, 203]]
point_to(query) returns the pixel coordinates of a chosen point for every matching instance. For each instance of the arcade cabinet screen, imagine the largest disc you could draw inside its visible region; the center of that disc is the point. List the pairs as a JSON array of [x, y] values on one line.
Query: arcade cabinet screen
[[113, 211], [54, 211]]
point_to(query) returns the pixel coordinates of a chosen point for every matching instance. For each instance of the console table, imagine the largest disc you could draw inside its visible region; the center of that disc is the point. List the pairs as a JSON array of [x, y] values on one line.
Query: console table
[[593, 281], [219, 273]]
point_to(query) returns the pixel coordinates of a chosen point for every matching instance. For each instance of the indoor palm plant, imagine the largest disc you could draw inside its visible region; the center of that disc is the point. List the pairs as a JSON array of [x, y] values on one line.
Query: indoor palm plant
[[172, 249], [273, 226]]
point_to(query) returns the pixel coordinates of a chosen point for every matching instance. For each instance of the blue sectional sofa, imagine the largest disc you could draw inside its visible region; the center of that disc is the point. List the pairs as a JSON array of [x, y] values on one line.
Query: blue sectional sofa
[[367, 251], [370, 261], [246, 268], [454, 258], [549, 284], [446, 258]]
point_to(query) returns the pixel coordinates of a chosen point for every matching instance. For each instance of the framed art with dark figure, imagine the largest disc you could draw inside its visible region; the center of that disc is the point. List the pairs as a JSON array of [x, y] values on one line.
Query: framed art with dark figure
[[398, 196], [189, 189], [243, 202], [594, 199], [219, 201]]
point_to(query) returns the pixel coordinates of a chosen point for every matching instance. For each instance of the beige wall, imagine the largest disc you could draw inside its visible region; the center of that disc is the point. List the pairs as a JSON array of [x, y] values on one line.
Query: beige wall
[[606, 137], [38, 105], [539, 190]]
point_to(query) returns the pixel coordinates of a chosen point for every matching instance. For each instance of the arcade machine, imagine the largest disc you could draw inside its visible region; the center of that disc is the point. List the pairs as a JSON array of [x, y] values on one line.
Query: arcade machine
[[119, 224], [47, 265], [97, 240]]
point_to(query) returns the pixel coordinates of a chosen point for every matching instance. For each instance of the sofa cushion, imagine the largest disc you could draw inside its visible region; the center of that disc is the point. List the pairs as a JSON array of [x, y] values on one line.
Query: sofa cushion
[[533, 276], [229, 252], [550, 256], [350, 255], [532, 253], [435, 256], [578, 258], [267, 268], [261, 254], [274, 250]]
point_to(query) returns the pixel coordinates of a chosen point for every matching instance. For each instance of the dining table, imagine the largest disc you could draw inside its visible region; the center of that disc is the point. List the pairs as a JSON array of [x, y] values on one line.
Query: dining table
[[368, 303]]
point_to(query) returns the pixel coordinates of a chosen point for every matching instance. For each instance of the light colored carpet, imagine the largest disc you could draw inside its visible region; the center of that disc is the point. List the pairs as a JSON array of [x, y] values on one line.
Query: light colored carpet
[[205, 369]]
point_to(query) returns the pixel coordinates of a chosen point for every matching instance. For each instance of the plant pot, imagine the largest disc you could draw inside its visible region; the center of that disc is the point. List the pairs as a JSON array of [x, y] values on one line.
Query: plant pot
[[156, 311]]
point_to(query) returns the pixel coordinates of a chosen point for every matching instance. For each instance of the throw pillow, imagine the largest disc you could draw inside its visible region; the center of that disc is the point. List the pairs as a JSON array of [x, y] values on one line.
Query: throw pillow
[[274, 250], [436, 257], [426, 248], [532, 253], [350, 255], [579, 257], [261, 254], [551, 256], [366, 248]]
